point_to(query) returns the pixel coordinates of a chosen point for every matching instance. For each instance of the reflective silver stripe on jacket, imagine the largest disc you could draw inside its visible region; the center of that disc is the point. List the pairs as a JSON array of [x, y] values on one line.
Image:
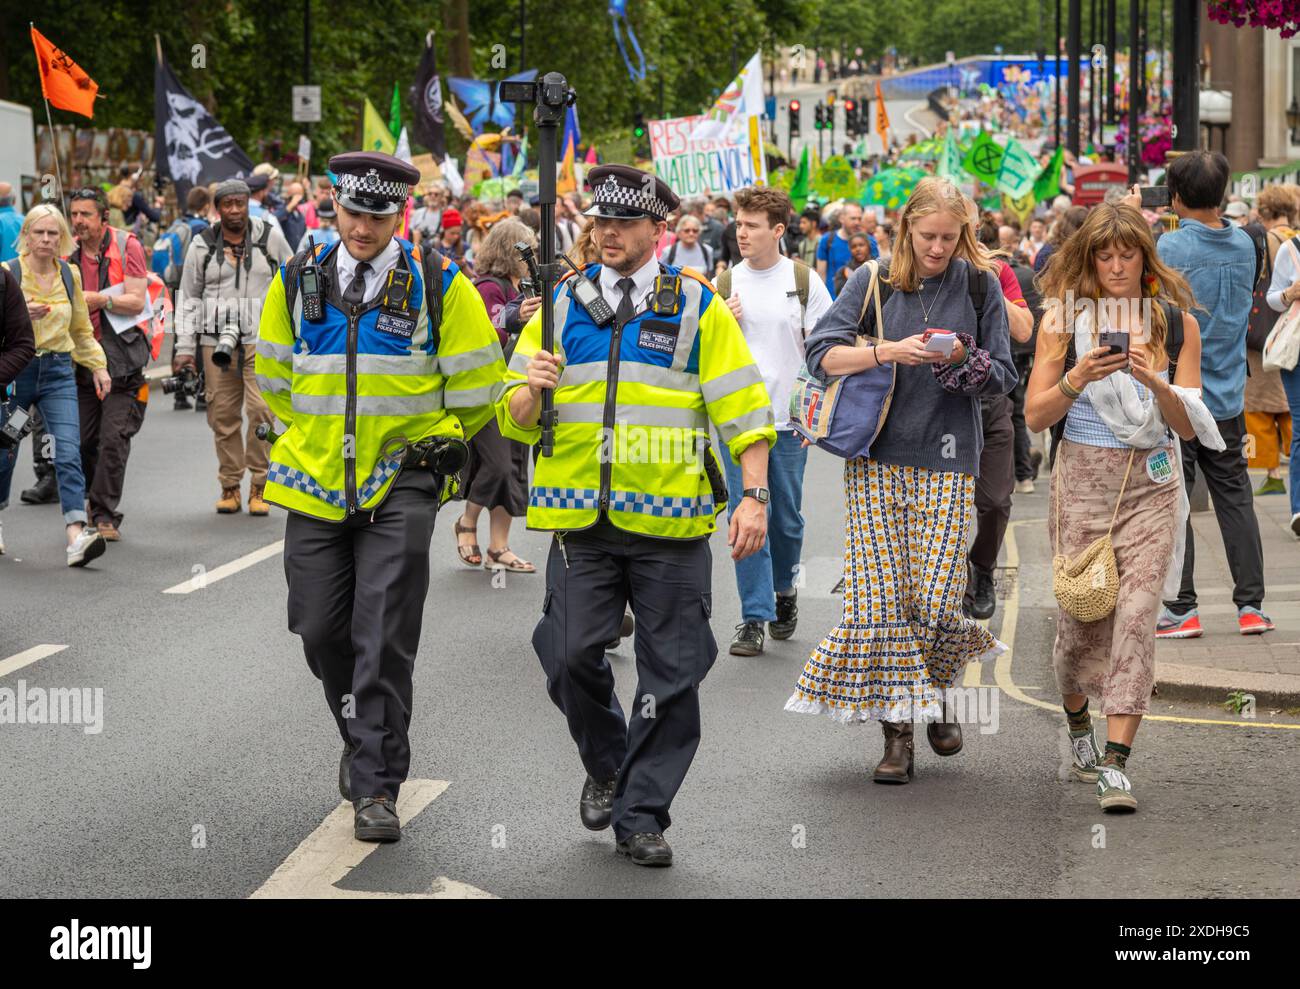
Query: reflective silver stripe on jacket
[[282, 352], [471, 360], [757, 419], [394, 364], [690, 324], [368, 405], [730, 383], [642, 374]]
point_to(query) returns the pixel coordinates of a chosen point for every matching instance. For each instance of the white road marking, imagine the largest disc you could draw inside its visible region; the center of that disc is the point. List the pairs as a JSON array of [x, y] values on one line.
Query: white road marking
[[205, 578], [28, 656], [330, 852]]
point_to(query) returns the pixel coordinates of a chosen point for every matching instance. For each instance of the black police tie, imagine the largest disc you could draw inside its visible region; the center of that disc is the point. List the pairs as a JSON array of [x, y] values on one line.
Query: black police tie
[[625, 306], [356, 291]]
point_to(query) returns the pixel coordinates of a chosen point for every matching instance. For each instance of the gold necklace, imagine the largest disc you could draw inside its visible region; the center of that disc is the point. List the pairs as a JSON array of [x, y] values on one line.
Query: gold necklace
[[921, 298]]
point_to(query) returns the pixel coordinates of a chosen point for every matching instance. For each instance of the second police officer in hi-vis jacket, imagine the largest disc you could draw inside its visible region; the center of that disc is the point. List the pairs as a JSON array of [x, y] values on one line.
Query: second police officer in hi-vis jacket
[[640, 370]]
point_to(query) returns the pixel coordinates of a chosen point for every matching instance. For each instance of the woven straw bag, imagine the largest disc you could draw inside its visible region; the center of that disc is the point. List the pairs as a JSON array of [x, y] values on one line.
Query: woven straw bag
[[1087, 587]]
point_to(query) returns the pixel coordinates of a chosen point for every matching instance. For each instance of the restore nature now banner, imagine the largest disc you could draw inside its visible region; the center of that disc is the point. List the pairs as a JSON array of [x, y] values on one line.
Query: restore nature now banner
[[694, 168]]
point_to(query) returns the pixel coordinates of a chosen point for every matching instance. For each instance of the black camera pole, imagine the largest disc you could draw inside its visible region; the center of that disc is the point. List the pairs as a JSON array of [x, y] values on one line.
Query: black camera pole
[[548, 117]]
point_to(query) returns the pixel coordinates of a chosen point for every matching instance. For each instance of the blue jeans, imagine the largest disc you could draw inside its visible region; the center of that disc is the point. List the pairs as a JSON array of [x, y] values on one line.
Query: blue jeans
[[772, 568], [1291, 384], [48, 384]]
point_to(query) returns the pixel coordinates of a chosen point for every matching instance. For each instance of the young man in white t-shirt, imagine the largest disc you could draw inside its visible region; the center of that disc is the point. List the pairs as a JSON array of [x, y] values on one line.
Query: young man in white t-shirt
[[763, 294]]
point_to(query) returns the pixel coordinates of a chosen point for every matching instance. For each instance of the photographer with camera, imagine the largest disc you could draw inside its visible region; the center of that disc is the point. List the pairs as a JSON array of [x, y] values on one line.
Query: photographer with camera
[[56, 305], [228, 270], [381, 361]]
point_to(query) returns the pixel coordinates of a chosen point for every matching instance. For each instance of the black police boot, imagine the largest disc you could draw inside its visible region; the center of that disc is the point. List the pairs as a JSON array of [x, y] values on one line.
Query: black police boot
[[182, 401], [345, 773], [748, 640], [596, 804], [646, 849], [787, 617], [983, 600], [376, 820], [200, 403], [44, 492]]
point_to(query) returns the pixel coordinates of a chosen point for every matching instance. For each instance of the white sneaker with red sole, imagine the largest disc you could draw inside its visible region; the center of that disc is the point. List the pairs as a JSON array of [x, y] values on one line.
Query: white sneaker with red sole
[[1171, 626], [1252, 621]]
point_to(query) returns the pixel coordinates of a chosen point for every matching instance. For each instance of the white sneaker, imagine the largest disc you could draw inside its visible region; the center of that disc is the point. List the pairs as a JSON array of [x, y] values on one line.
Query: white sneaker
[[88, 545], [1025, 487], [1295, 527], [2, 539]]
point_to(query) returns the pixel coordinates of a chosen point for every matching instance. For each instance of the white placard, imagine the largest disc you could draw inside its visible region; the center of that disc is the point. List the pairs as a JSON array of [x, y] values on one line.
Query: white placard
[[306, 104]]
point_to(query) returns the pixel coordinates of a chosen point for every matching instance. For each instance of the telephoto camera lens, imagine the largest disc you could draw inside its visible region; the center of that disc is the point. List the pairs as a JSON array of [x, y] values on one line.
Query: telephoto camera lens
[[226, 344]]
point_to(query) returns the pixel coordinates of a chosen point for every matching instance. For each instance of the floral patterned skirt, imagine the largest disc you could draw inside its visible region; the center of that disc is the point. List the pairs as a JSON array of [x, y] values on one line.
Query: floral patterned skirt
[[903, 638]]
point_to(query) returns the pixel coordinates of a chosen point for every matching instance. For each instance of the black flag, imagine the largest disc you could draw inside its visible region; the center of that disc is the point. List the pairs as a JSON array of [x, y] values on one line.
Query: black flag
[[426, 95], [190, 147]]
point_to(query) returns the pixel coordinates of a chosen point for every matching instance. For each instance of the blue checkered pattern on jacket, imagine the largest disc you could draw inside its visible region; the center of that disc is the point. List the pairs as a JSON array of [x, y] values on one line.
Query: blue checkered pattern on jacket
[[648, 504], [564, 498], [291, 477]]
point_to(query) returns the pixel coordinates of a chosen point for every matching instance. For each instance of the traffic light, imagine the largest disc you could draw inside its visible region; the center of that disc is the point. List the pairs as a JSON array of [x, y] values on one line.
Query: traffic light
[[850, 118], [794, 118], [820, 116], [638, 126]]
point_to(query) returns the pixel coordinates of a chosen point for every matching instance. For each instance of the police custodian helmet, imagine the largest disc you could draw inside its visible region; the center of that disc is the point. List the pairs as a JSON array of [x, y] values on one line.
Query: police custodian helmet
[[372, 182]]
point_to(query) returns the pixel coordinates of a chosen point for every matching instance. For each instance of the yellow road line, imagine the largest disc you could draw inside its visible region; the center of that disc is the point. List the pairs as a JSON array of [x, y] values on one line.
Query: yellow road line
[[1002, 666]]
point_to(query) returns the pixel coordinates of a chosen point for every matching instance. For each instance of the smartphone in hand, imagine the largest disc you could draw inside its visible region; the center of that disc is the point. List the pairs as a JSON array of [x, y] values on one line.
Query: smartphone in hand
[[1115, 340]]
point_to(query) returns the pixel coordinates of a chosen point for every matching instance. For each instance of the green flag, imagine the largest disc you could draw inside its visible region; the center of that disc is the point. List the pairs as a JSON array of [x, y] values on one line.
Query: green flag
[[1017, 171], [950, 159], [374, 135], [984, 159], [799, 188], [836, 180], [1048, 184], [395, 113], [521, 159]]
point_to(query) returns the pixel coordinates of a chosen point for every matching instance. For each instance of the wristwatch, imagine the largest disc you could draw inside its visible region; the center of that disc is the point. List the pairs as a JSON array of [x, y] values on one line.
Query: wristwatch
[[108, 303], [760, 495]]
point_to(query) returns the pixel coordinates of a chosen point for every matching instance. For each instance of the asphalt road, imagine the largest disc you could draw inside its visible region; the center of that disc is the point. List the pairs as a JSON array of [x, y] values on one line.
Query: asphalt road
[[215, 735]]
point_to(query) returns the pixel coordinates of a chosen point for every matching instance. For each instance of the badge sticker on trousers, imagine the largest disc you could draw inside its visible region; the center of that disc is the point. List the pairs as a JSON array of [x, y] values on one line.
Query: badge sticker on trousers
[[658, 335], [1160, 467], [400, 326]]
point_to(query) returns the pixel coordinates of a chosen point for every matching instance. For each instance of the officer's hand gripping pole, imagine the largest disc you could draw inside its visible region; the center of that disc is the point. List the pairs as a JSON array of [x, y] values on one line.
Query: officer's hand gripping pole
[[551, 94]]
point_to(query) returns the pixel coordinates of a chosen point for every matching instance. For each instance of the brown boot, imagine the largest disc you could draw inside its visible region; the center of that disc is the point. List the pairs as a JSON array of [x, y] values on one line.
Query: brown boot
[[229, 502], [256, 503], [945, 735], [896, 766]]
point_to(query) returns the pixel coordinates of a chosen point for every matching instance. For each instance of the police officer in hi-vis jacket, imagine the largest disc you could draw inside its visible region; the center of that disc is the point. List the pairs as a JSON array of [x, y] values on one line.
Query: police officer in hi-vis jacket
[[381, 363], [632, 493]]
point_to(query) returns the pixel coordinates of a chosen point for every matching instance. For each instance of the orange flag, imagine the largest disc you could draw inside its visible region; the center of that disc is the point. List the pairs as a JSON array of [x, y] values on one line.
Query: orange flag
[[63, 82], [882, 118]]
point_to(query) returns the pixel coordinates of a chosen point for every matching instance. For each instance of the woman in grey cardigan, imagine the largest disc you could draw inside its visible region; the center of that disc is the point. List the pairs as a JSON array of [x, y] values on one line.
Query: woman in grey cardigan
[[903, 641]]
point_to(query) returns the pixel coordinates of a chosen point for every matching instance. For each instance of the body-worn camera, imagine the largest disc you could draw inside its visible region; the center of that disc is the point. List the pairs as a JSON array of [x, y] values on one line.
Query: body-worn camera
[[15, 423], [187, 381]]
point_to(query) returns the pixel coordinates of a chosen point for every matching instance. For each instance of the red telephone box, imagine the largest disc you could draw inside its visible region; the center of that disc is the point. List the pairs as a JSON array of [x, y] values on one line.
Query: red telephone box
[[1092, 182]]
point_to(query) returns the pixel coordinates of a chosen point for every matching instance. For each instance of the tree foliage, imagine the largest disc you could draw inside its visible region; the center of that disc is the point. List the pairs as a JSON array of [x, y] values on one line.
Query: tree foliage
[[252, 52]]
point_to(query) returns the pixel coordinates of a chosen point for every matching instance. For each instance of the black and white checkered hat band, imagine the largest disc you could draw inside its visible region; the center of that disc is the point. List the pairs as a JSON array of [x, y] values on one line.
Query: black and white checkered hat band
[[611, 192], [371, 186]]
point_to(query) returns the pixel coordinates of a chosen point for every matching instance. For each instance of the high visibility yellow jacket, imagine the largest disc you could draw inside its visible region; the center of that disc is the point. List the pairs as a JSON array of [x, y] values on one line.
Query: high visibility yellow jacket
[[634, 407], [352, 387]]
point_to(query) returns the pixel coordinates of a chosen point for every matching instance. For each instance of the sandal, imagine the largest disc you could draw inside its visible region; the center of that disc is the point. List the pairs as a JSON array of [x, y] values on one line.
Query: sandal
[[470, 555], [514, 566]]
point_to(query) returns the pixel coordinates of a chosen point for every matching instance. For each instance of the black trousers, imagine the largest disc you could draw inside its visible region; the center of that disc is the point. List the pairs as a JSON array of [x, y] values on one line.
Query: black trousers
[[668, 584], [107, 428], [1024, 464], [356, 596], [995, 484], [1224, 473]]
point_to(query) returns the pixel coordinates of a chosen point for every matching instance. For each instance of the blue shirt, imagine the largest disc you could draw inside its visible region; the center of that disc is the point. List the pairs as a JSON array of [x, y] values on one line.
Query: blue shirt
[[11, 222], [1219, 264], [834, 250]]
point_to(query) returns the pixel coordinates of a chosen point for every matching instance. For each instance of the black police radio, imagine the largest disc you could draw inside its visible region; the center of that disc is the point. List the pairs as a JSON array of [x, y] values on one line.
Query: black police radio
[[589, 297], [312, 292]]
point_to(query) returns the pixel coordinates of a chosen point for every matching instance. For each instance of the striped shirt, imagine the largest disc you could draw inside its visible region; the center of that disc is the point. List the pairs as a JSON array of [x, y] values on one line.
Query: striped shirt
[[1083, 424]]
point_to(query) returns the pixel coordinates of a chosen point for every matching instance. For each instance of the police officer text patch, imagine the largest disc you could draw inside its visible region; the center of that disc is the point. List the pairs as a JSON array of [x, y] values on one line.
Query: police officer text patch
[[658, 335], [400, 326]]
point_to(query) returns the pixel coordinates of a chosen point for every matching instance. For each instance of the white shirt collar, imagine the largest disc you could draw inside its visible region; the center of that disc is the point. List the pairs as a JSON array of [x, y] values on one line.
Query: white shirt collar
[[643, 280], [380, 266]]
